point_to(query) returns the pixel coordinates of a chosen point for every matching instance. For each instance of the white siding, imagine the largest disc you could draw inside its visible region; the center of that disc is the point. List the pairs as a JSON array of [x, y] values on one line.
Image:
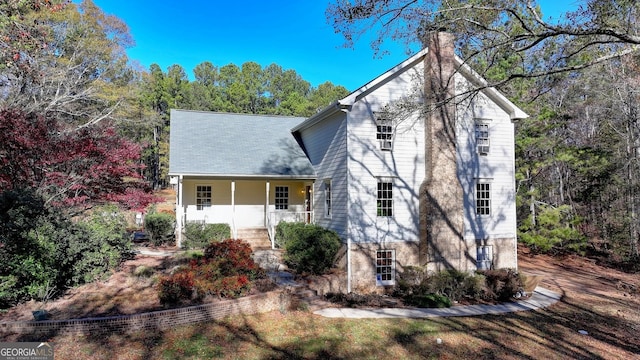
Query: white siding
[[497, 167], [367, 163], [327, 150]]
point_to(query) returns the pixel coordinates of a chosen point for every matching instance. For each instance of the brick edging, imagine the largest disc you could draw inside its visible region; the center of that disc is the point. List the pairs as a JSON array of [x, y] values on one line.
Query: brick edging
[[155, 320]]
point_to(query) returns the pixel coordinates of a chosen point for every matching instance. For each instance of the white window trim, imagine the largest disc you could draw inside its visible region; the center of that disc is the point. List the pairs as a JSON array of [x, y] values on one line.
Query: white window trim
[[276, 198], [484, 148], [384, 263], [489, 199], [385, 138], [484, 257], [328, 204], [203, 207], [388, 180]]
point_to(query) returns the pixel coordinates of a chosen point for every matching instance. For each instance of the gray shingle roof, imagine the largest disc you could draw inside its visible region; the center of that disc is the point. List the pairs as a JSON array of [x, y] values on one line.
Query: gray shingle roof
[[207, 143]]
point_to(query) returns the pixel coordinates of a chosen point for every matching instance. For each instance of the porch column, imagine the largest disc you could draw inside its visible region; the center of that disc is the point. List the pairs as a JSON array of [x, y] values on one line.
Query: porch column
[[179, 212], [234, 231], [266, 205]]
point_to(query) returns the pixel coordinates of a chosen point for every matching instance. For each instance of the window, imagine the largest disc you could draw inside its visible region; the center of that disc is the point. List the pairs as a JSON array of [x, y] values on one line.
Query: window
[[483, 198], [203, 197], [482, 137], [282, 197], [384, 130], [484, 259], [385, 267], [385, 198], [327, 198]]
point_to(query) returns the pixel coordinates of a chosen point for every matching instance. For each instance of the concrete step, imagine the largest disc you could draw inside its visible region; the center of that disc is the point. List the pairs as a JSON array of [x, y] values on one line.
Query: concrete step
[[258, 238]]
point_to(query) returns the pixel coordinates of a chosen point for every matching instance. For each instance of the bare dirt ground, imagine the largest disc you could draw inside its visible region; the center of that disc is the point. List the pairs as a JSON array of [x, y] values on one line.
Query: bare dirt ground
[[126, 291], [122, 293]]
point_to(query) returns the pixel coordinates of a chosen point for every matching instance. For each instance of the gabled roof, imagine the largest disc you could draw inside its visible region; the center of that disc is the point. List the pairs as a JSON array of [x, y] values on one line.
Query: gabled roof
[[461, 67], [239, 145]]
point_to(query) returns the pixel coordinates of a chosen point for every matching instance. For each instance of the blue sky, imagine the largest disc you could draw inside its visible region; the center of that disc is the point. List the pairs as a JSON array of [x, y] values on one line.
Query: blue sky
[[291, 33]]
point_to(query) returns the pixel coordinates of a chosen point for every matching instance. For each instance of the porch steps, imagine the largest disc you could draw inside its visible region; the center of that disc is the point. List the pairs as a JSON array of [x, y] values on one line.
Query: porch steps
[[258, 238]]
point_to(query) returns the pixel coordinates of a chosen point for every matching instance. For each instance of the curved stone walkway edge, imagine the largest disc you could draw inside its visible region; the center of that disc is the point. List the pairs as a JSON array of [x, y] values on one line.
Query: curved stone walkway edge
[[540, 298]]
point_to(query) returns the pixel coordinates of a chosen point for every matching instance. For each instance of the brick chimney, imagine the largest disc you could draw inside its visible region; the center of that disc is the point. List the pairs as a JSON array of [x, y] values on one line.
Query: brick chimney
[[441, 196]]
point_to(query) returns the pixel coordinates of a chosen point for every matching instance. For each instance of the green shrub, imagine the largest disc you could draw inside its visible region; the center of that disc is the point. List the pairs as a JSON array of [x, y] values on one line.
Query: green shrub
[[43, 252], [198, 235], [415, 284], [160, 227], [103, 246], [449, 283], [309, 248], [143, 271], [427, 300], [286, 230], [34, 248]]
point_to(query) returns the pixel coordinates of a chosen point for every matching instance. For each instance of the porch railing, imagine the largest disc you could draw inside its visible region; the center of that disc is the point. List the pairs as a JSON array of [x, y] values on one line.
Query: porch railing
[[275, 217]]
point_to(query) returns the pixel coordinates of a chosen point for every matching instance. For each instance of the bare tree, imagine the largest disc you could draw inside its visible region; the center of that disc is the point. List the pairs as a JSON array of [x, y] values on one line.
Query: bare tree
[[502, 39], [63, 60]]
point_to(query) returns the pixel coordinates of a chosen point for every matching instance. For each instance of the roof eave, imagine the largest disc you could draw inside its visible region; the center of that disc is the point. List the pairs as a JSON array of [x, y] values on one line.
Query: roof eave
[[244, 176], [333, 108], [515, 113]]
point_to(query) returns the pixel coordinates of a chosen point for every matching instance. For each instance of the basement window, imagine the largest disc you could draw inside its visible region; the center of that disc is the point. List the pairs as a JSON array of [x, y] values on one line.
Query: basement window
[[385, 267], [484, 258]]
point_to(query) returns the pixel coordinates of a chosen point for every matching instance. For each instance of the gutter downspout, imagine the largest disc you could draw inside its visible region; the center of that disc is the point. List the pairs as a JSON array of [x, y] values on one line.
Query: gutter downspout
[[348, 264]]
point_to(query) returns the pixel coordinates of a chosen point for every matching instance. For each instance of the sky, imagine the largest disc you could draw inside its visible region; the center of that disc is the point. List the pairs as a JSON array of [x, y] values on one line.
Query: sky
[[291, 33]]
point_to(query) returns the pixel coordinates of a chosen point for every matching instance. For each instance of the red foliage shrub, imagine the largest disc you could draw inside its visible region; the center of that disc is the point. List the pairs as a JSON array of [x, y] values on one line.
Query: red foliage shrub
[[175, 288], [226, 270], [234, 258], [228, 286]]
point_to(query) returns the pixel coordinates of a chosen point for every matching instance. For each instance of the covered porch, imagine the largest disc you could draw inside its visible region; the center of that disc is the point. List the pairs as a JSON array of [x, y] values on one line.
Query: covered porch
[[242, 202]]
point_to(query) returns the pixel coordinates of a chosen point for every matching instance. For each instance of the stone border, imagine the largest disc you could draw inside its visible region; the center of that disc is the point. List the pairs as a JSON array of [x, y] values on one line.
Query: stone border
[[155, 320]]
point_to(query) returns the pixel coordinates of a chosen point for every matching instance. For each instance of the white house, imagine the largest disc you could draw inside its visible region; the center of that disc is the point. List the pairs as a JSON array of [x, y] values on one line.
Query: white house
[[243, 170], [410, 169]]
